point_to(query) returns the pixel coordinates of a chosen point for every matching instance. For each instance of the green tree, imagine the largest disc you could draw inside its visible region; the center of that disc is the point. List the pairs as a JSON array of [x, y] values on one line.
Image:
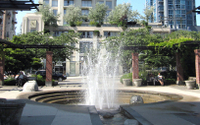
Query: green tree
[[120, 14], [130, 37], [97, 14], [148, 13], [20, 59], [47, 15], [39, 38], [73, 15]]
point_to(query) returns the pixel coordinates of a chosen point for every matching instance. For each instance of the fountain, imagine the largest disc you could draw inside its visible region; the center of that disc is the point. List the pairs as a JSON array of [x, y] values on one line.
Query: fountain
[[99, 73]]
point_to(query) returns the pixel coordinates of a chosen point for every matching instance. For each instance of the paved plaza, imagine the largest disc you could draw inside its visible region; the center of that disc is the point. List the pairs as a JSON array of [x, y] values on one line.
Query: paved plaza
[[183, 112]]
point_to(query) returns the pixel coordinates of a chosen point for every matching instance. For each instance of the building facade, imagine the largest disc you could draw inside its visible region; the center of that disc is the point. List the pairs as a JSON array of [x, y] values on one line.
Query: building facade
[[173, 13], [33, 22], [7, 24]]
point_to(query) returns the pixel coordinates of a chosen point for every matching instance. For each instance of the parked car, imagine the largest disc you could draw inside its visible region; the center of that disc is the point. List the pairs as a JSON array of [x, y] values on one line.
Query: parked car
[[57, 76]]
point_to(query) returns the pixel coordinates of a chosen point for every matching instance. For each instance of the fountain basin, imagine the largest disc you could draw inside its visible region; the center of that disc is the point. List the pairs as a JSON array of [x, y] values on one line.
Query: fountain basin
[[76, 97]]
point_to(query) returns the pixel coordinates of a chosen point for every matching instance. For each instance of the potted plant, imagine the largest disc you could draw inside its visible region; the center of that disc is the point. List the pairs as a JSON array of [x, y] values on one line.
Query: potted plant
[[190, 84], [137, 82]]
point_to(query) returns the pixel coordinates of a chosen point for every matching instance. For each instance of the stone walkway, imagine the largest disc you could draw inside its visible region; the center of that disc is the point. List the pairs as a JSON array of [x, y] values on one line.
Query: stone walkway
[[183, 112]]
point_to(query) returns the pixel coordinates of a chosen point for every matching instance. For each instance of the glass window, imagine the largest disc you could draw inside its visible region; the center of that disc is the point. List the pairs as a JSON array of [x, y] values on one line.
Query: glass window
[[86, 3], [109, 4], [85, 46], [170, 2], [86, 34], [101, 2], [171, 12], [85, 12], [65, 11], [54, 3], [68, 2], [55, 12], [46, 1], [182, 11], [182, 2], [170, 7]]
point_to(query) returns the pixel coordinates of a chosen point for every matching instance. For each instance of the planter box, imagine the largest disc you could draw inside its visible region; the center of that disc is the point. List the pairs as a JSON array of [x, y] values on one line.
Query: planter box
[[127, 82], [190, 84], [137, 82], [10, 112]]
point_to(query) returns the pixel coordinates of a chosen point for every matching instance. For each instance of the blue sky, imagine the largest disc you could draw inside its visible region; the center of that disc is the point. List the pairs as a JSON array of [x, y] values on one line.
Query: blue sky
[[136, 5]]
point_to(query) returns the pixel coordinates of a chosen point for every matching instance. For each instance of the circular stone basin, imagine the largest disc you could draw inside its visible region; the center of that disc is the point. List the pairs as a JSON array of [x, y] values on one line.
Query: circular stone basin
[[75, 97]]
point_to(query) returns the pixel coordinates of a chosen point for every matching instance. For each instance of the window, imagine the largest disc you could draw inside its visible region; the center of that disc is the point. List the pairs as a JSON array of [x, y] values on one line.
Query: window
[[46, 1], [101, 2], [68, 2], [54, 3], [65, 11], [86, 34], [85, 12], [86, 3], [170, 2], [33, 29], [55, 12], [170, 12], [57, 33], [85, 46], [109, 4], [170, 7]]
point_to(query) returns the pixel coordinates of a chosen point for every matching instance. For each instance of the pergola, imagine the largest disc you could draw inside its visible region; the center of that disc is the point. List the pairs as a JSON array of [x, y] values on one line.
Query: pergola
[[180, 78], [18, 5], [49, 56]]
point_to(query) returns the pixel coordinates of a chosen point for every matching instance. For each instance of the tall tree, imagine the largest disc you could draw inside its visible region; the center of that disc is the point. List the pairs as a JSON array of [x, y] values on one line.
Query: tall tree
[[148, 13], [47, 15], [97, 14], [39, 38], [73, 15], [120, 14]]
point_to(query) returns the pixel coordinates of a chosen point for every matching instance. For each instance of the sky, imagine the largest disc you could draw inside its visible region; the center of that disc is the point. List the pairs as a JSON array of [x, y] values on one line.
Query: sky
[[136, 5]]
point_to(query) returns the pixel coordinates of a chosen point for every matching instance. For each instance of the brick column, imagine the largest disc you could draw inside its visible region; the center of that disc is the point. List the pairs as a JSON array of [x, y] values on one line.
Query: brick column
[[197, 65], [2, 64], [179, 72], [49, 56], [135, 66]]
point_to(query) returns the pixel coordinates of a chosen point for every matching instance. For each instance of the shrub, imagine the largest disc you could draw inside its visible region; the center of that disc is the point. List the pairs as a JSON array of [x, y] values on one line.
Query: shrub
[[10, 81], [126, 76], [41, 81], [78, 23]]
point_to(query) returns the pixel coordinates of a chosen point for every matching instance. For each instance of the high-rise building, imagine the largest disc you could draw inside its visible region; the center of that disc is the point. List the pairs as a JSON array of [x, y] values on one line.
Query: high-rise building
[[7, 24], [173, 13]]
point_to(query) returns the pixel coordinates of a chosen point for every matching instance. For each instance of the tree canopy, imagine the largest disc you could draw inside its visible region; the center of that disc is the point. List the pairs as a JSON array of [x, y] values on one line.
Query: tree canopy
[[47, 15], [21, 59], [97, 14], [73, 15]]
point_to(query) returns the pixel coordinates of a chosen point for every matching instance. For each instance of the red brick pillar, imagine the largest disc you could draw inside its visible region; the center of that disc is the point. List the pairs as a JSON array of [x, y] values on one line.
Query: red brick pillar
[[179, 72], [49, 64], [135, 66], [2, 64], [197, 65]]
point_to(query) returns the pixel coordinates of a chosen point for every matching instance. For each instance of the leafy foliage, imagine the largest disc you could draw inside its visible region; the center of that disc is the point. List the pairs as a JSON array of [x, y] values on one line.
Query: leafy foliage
[[120, 14], [73, 15], [47, 15], [148, 12], [98, 13]]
